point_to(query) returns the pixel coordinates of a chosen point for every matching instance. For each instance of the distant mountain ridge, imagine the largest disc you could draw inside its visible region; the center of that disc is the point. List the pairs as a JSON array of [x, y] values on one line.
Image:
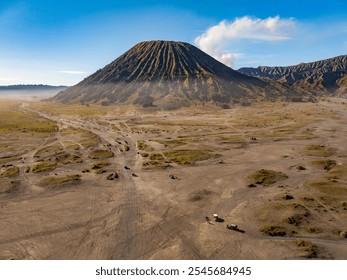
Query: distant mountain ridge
[[169, 74], [328, 76], [32, 87]]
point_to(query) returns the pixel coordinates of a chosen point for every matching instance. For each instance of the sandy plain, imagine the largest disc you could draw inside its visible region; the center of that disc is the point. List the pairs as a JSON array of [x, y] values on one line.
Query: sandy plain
[[93, 182]]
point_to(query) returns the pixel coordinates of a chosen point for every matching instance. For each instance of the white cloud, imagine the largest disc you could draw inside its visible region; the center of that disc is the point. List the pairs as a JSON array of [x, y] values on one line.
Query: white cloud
[[72, 72], [271, 29]]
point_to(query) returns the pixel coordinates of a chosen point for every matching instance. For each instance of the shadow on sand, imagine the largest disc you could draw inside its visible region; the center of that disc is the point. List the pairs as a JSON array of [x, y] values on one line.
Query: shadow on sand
[[219, 220], [237, 229]]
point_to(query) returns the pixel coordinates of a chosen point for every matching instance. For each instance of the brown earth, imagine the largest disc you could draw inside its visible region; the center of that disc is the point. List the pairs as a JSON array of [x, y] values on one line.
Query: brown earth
[[173, 169]]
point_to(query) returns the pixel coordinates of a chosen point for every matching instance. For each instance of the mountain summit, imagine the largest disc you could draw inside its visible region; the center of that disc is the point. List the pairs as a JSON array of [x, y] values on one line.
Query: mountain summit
[[166, 74]]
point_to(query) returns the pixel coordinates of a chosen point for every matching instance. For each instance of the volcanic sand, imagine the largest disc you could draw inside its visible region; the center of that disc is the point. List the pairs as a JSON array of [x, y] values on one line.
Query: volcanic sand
[[92, 182]]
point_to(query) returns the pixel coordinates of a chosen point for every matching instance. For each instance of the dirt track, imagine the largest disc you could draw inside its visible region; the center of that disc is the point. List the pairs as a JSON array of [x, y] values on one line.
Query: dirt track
[[148, 215]]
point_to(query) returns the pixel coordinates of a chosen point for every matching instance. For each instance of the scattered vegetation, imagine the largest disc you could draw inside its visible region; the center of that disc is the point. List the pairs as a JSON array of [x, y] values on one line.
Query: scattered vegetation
[[100, 164], [338, 172], [10, 172], [124, 148], [237, 141], [171, 143], [21, 131], [153, 164], [308, 200], [332, 183], [91, 141], [189, 156], [273, 230], [43, 167], [66, 158], [329, 186], [84, 137], [156, 156], [284, 216], [112, 176], [48, 151], [314, 230], [69, 109], [58, 181], [318, 151], [25, 122], [327, 164], [143, 146], [99, 171], [101, 154], [295, 220], [266, 177], [308, 249], [73, 147]]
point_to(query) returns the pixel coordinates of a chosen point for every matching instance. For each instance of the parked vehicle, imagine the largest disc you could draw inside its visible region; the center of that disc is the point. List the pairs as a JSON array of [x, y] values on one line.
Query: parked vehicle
[[231, 226]]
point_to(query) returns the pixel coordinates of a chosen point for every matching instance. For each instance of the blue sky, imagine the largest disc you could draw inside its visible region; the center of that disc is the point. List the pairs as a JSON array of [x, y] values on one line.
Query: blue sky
[[62, 42]]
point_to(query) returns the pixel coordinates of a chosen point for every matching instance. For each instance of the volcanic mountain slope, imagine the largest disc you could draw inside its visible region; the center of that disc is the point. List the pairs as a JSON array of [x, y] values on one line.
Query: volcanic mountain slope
[[168, 75], [321, 77]]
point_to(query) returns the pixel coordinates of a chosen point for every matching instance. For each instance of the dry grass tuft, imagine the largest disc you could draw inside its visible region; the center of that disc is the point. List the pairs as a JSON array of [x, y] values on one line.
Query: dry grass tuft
[[143, 146], [59, 181], [327, 164], [10, 172], [156, 156], [154, 164], [101, 154], [338, 172], [308, 249], [318, 151], [100, 164], [189, 156], [329, 186], [273, 230], [43, 167], [266, 177]]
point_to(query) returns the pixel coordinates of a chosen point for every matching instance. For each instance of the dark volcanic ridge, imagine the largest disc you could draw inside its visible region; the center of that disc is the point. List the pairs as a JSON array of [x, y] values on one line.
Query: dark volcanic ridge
[[169, 74], [324, 77]]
